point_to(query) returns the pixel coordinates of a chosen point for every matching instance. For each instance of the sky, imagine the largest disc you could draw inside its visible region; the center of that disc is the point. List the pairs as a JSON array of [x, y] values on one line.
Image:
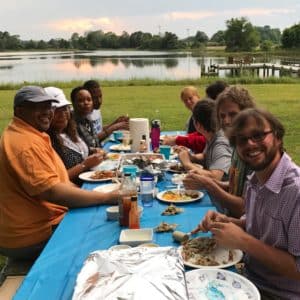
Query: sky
[[45, 19]]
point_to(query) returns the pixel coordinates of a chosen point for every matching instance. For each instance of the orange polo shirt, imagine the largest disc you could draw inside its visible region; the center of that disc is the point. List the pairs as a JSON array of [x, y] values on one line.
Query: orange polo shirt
[[28, 166]]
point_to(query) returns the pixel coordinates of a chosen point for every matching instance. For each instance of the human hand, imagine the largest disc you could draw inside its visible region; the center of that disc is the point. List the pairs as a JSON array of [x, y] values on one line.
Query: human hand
[[178, 149], [169, 140], [121, 119], [100, 151], [228, 235], [194, 180], [209, 219], [93, 160], [184, 156], [120, 125]]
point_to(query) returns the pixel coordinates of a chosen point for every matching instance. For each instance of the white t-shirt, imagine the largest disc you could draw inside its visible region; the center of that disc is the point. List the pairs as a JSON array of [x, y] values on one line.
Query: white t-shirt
[[80, 147], [96, 118]]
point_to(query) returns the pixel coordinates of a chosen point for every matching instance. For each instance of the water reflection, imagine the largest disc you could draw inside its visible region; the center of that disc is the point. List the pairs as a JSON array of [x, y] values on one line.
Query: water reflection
[[127, 62], [112, 65]]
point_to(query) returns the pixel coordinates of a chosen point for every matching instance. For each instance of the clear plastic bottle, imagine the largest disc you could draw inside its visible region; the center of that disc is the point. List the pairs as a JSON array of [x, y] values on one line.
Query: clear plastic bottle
[[143, 144], [147, 189], [134, 217], [128, 189], [155, 134]]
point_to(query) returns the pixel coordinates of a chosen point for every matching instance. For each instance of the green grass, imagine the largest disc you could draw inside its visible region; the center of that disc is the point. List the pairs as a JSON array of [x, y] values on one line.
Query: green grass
[[162, 101], [152, 82]]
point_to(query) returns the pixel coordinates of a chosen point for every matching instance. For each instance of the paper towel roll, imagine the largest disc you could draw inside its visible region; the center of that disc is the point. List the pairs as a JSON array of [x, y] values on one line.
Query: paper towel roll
[[139, 127]]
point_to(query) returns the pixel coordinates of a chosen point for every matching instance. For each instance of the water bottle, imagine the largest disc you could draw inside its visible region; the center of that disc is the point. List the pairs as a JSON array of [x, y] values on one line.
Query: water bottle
[[155, 134], [147, 189]]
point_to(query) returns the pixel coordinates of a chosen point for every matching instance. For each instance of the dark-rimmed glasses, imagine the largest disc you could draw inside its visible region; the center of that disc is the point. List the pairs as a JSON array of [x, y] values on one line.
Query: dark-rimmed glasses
[[256, 137]]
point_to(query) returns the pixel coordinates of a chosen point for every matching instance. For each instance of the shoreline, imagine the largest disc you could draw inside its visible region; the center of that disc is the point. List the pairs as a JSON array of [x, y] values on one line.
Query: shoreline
[[153, 82]]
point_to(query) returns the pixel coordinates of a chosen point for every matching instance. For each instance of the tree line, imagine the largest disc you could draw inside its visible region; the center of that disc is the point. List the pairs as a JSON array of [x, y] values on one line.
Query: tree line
[[240, 35]]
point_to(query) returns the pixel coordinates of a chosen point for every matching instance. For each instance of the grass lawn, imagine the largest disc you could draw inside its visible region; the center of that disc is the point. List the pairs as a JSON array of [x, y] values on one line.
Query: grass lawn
[[162, 101]]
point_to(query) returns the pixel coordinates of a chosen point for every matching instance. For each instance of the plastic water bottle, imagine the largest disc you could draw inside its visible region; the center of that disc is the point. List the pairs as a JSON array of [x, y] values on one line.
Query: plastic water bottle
[[147, 189], [155, 134]]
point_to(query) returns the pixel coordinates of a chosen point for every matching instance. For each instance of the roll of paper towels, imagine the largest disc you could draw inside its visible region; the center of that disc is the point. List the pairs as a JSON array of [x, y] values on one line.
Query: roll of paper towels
[[139, 127]]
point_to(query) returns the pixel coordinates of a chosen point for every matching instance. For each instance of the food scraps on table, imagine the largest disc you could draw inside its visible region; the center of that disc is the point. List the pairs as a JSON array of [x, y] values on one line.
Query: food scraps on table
[[172, 210], [165, 227]]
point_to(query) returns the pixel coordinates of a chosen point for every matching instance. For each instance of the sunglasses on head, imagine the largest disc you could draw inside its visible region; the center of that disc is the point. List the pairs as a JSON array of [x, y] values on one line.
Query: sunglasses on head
[[255, 137]]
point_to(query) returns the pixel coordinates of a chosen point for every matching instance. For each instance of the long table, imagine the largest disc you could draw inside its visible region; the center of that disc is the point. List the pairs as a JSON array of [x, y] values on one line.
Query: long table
[[83, 230]]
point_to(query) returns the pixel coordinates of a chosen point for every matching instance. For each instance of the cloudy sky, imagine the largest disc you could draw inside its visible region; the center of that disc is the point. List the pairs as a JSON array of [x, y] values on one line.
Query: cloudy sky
[[38, 19]]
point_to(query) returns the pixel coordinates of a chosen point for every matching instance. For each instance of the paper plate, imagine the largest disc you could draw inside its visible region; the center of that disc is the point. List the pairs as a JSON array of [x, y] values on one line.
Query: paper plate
[[86, 176], [212, 284], [120, 147], [220, 255], [107, 188], [160, 196], [107, 165]]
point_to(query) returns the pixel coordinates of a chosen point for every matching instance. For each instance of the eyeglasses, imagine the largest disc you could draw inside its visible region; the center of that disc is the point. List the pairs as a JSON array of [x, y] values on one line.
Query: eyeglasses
[[255, 138]]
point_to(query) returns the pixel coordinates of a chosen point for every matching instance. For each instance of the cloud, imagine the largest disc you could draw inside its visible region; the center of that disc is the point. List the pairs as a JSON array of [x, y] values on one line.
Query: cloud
[[265, 12], [197, 15], [190, 15], [82, 25]]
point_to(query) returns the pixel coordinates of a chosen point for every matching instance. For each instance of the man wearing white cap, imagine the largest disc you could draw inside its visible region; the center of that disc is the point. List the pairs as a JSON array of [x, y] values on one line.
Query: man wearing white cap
[[34, 183]]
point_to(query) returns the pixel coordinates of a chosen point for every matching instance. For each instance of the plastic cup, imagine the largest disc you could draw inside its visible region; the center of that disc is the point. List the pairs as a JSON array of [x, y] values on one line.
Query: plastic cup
[[117, 135], [147, 189], [132, 169], [165, 150]]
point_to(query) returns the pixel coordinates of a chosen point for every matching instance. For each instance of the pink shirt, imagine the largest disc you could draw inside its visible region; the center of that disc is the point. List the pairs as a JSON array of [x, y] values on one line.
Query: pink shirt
[[273, 216]]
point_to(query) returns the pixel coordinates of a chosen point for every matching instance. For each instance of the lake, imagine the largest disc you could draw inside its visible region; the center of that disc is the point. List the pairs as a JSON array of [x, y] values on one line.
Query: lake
[[17, 67]]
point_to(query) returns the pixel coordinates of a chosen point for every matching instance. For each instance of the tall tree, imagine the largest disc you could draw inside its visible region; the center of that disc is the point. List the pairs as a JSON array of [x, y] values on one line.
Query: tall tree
[[291, 37], [240, 35], [136, 39], [269, 34], [218, 37], [169, 41], [201, 37]]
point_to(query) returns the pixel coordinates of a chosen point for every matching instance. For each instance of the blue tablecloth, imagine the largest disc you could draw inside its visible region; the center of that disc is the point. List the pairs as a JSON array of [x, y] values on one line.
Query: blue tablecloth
[[84, 230]]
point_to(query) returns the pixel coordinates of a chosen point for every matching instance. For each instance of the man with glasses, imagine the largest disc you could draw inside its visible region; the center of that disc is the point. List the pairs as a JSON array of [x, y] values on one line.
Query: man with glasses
[[268, 232]]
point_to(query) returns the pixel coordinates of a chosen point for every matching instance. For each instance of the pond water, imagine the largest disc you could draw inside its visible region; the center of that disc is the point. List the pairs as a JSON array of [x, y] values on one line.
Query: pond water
[[17, 67]]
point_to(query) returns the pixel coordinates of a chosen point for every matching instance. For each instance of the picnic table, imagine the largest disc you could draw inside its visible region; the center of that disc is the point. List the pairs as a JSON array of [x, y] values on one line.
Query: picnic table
[[84, 230]]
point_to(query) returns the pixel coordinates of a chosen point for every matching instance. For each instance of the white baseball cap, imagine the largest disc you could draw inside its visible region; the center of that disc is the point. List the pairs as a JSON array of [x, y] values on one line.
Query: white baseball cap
[[57, 94]]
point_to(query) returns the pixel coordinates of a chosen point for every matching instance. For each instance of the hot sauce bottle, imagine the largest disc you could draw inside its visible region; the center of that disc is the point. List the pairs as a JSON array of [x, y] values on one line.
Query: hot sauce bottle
[[134, 217]]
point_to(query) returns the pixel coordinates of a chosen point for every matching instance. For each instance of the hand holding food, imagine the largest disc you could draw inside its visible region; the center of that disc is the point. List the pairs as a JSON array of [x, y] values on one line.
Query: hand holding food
[[93, 160], [169, 140], [193, 181], [208, 222], [228, 235]]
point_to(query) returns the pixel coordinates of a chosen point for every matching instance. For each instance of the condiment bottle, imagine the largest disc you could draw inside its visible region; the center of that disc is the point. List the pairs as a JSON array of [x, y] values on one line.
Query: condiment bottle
[[128, 189], [134, 217], [155, 134], [143, 144]]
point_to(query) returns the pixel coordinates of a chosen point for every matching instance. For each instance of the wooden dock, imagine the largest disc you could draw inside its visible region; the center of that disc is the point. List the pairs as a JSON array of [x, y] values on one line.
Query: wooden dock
[[267, 68]]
